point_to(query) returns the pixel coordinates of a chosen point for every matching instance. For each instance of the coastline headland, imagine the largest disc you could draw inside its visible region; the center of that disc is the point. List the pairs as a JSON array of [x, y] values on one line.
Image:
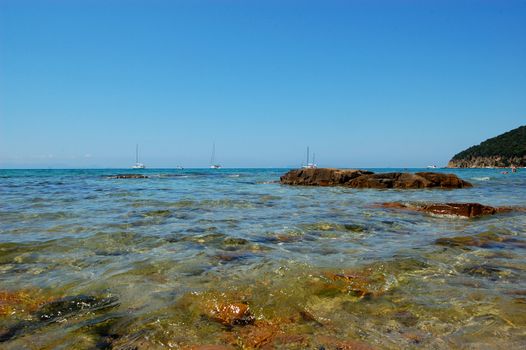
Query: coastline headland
[[507, 150]]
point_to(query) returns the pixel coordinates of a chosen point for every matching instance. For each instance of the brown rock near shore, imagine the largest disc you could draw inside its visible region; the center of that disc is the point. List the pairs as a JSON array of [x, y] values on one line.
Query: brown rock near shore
[[367, 179], [468, 210], [321, 177]]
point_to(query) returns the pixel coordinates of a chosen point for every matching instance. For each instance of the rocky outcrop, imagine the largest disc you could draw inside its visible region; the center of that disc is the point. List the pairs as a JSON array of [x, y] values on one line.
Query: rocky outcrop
[[467, 210], [128, 176], [488, 162], [368, 179], [321, 177]]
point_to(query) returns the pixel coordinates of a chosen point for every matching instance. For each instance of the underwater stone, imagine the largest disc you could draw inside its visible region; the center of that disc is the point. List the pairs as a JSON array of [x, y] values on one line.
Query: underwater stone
[[328, 342], [492, 272], [482, 240], [71, 305], [55, 310], [230, 313], [234, 241], [128, 176], [467, 210]]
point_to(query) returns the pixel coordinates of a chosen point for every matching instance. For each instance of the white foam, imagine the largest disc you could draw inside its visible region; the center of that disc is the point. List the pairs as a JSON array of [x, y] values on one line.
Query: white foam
[[481, 178]]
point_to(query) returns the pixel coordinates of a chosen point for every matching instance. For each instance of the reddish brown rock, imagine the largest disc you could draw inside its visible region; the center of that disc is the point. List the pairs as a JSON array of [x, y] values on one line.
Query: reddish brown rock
[[390, 180], [368, 179], [468, 210], [21, 302], [361, 283], [258, 335], [321, 177], [229, 313]]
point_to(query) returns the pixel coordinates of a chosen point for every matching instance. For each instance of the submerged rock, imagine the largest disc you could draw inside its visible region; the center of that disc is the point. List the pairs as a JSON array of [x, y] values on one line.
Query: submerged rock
[[234, 241], [405, 317], [491, 272], [225, 308], [229, 313], [21, 301], [330, 343], [361, 283], [72, 305], [268, 334], [157, 213], [128, 176], [231, 256], [56, 310], [258, 335], [366, 282], [482, 240], [368, 179], [468, 210]]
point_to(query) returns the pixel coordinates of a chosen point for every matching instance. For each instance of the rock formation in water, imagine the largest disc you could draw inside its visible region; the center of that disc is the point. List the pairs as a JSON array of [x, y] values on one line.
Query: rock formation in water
[[128, 176], [368, 179], [467, 210], [506, 150]]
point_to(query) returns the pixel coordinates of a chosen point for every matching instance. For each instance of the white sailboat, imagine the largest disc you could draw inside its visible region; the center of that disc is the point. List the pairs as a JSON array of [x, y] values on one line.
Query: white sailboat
[[310, 165], [137, 165], [213, 164]]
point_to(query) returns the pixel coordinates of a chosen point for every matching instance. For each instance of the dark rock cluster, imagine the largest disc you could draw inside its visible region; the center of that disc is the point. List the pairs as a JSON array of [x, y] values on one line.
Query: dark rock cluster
[[368, 179]]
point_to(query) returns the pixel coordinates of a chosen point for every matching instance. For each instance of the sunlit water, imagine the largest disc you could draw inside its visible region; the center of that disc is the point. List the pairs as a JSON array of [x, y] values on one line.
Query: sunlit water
[[166, 249]]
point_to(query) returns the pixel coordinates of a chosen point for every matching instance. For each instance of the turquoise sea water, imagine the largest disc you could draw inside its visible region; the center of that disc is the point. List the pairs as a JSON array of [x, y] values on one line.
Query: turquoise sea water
[[317, 267]]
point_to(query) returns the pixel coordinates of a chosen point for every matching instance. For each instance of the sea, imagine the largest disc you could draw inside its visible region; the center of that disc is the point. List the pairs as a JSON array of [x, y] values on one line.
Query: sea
[[232, 259]]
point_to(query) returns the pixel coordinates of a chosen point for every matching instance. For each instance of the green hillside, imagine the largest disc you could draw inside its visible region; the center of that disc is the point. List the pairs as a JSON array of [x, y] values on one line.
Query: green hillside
[[508, 145]]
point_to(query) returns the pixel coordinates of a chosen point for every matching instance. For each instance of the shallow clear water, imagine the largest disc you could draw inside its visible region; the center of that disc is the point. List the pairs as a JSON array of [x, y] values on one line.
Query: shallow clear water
[[317, 267]]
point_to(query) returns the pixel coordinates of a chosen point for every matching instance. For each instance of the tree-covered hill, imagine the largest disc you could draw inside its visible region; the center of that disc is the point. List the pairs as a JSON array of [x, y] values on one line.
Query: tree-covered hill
[[508, 149]]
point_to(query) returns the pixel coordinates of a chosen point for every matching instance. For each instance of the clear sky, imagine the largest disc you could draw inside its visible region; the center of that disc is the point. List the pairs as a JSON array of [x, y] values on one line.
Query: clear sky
[[363, 83]]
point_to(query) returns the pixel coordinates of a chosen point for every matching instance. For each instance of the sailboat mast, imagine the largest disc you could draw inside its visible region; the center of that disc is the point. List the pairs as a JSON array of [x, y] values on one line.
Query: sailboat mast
[[307, 155], [137, 153]]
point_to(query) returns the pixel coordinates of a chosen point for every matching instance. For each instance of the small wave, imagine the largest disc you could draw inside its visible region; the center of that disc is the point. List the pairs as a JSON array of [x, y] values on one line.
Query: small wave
[[234, 175], [481, 178]]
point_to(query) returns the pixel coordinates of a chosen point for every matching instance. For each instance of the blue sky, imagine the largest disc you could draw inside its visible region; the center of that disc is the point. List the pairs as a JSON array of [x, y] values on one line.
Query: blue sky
[[363, 83]]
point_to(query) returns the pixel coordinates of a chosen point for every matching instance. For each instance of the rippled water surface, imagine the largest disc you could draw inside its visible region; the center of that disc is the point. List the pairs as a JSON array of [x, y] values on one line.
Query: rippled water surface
[[187, 258]]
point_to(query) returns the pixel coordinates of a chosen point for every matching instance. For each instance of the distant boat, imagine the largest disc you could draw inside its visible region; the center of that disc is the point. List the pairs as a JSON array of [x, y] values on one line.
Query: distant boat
[[213, 164], [179, 167], [137, 164], [432, 167], [310, 165]]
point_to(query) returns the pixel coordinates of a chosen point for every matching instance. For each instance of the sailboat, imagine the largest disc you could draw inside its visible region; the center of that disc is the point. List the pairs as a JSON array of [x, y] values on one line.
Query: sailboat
[[137, 164], [310, 165], [213, 165]]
